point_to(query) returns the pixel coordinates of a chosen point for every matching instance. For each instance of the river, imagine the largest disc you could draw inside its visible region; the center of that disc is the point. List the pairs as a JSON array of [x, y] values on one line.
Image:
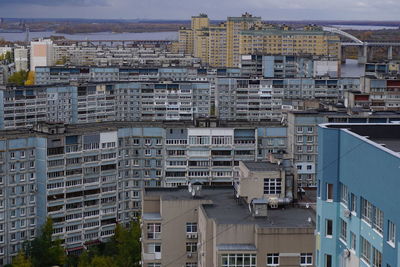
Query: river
[[352, 69], [20, 36], [365, 27]]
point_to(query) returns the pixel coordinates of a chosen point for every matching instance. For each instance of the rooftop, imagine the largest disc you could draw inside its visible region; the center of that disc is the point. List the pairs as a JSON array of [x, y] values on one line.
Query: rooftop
[[227, 209], [261, 166], [384, 134], [86, 128]]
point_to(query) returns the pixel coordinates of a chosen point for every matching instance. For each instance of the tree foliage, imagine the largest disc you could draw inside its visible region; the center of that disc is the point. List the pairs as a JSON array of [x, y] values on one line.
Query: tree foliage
[[43, 251], [8, 57], [30, 80], [21, 260], [18, 78], [123, 250]]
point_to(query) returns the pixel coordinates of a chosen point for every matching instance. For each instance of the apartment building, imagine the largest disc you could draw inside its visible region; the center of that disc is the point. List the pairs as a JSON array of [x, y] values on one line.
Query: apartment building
[[82, 74], [383, 70], [41, 53], [228, 226], [22, 190], [310, 40], [131, 101], [302, 135], [89, 176], [258, 99], [289, 66], [21, 58], [357, 195], [227, 41], [383, 93]]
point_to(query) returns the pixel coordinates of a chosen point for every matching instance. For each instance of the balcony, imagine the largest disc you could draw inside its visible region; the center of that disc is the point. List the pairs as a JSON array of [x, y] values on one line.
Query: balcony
[[152, 256]]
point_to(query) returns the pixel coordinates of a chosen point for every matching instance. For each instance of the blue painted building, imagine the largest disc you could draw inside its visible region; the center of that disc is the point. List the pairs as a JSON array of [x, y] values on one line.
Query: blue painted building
[[357, 205]]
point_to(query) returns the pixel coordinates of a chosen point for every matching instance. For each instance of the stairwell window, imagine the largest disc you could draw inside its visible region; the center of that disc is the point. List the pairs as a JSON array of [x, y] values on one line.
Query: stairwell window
[[329, 192], [391, 234], [329, 228]]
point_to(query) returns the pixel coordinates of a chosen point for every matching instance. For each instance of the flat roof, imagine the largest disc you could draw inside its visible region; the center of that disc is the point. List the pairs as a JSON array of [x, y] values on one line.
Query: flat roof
[[85, 128], [385, 134], [227, 209], [261, 166]]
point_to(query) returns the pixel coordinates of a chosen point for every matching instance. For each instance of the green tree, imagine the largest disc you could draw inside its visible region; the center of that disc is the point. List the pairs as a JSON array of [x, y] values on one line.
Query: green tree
[[84, 260], [18, 78], [21, 260], [43, 251], [102, 261], [127, 242], [124, 249]]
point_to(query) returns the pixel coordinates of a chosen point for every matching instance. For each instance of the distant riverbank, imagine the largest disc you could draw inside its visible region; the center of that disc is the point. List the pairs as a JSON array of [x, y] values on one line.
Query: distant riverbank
[[20, 36]]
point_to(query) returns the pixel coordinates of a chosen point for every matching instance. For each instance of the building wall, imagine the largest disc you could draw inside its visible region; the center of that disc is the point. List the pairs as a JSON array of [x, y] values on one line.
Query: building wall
[[368, 171]]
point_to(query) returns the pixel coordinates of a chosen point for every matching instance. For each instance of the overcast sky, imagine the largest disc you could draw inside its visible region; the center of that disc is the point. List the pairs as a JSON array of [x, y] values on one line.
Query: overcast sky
[[216, 9]]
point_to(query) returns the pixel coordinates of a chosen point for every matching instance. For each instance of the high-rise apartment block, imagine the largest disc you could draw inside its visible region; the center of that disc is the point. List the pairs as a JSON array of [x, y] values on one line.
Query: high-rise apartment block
[[222, 45], [42, 53], [88, 177], [357, 200]]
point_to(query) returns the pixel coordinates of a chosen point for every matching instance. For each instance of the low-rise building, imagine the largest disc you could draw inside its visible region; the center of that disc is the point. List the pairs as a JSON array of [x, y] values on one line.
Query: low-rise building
[[226, 226]]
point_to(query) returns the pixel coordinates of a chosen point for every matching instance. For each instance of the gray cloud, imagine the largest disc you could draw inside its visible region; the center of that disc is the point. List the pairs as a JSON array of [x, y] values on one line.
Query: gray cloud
[[183, 9], [53, 2]]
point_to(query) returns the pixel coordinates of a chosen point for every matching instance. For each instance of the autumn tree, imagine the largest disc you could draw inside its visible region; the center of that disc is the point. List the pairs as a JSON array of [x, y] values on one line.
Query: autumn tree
[[18, 78], [21, 260], [30, 80]]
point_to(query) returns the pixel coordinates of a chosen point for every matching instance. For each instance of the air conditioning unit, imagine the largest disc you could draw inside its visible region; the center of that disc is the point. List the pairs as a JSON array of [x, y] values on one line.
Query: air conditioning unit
[[194, 236], [188, 236], [347, 213], [346, 253], [189, 255]]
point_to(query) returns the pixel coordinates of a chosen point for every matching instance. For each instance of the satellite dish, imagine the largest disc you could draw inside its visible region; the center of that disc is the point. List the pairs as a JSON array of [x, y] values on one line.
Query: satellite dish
[[190, 188], [193, 193]]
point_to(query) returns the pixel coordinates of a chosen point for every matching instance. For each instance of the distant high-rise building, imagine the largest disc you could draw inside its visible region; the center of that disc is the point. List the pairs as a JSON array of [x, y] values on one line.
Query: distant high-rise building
[[42, 53], [21, 59], [221, 45]]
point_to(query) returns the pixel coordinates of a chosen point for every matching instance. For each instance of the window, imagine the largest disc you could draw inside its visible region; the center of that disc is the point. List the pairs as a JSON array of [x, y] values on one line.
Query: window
[[365, 250], [154, 230], [328, 260], [376, 258], [343, 194], [191, 247], [306, 259], [273, 259], [366, 210], [272, 186], [236, 260], [299, 129], [353, 241], [343, 230], [353, 203], [329, 192], [378, 220], [191, 227], [329, 228], [153, 247], [391, 234]]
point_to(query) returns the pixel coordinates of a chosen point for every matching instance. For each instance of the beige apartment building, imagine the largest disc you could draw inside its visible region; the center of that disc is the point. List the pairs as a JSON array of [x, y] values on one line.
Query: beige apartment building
[[222, 45], [251, 224]]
